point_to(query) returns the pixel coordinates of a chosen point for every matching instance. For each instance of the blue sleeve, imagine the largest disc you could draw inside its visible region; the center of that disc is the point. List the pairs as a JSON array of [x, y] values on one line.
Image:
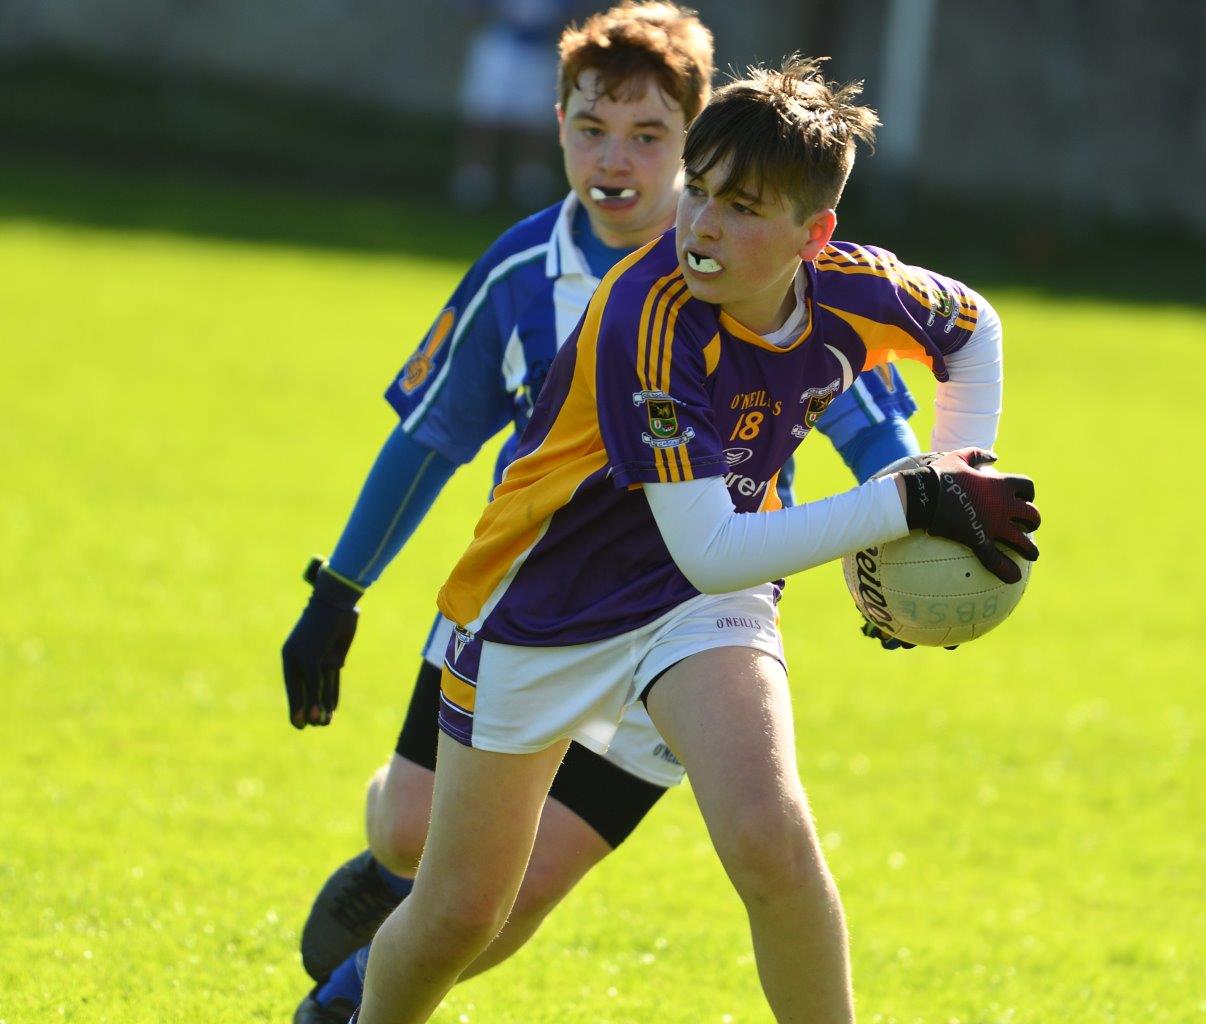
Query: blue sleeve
[[401, 487], [867, 423], [875, 396], [450, 394], [878, 446]]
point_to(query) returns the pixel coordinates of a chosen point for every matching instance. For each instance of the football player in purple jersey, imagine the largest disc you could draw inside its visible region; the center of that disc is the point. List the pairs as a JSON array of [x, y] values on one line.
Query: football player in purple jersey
[[632, 554], [479, 370]]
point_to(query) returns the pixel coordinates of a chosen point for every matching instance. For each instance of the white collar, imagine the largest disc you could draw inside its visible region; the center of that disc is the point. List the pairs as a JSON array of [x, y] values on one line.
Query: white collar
[[789, 330], [564, 257]]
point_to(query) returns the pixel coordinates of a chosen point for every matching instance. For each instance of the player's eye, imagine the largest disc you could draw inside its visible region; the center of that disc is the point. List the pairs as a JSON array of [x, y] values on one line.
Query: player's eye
[[648, 139], [591, 132], [692, 190], [745, 210]]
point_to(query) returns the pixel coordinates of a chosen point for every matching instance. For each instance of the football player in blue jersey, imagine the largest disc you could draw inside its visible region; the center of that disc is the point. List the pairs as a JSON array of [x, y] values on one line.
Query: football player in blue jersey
[[631, 80]]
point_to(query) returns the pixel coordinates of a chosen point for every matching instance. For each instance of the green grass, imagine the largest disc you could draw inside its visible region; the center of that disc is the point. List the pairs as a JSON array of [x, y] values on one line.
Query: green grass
[[188, 412]]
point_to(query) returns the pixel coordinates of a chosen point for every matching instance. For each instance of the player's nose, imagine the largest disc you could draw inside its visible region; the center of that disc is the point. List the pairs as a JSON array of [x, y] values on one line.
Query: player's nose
[[613, 155], [706, 222]]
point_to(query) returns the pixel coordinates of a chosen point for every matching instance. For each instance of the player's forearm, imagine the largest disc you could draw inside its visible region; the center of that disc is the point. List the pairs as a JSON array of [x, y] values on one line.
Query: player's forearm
[[399, 490], [720, 550], [967, 407]]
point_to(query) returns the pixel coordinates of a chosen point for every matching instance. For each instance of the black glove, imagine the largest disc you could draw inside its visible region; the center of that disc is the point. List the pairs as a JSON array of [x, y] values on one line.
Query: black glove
[[951, 498], [315, 651], [892, 643], [888, 643]]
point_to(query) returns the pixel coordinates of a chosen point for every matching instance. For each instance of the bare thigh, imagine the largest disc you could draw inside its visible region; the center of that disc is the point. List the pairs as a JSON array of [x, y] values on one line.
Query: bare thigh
[[726, 714]]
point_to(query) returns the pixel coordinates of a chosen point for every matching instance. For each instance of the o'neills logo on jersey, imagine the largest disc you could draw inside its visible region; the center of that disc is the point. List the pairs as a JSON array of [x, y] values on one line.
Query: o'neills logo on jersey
[[666, 754], [755, 400], [459, 638], [871, 598], [817, 400], [737, 622]]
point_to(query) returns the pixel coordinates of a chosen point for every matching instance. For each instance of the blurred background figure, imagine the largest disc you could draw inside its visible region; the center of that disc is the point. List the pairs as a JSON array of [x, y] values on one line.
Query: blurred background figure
[[507, 92], [1015, 120]]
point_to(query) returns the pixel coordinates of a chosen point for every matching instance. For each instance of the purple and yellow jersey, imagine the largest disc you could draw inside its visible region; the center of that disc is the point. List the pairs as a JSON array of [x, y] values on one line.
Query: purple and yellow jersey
[[655, 386]]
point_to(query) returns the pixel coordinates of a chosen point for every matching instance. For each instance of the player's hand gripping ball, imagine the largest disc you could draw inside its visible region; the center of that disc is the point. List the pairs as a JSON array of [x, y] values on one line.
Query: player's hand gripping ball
[[964, 567]]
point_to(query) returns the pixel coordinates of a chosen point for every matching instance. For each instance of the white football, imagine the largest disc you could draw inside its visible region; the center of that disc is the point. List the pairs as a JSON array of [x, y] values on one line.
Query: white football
[[930, 591]]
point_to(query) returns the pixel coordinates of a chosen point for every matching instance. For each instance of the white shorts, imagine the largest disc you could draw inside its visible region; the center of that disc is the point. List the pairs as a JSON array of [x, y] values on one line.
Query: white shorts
[[637, 746], [508, 81], [520, 700]]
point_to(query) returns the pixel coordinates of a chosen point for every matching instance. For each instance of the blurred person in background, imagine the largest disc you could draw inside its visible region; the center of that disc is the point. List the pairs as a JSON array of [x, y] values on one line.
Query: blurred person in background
[[508, 86]]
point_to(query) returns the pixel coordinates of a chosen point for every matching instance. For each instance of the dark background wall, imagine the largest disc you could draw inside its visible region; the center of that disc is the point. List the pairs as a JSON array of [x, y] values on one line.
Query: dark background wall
[[1083, 111]]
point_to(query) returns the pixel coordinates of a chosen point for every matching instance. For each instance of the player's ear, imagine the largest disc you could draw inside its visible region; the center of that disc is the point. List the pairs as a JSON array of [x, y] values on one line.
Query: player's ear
[[819, 227]]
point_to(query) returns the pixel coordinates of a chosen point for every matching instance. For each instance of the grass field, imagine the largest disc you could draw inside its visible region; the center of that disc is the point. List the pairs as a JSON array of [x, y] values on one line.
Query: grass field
[[190, 401]]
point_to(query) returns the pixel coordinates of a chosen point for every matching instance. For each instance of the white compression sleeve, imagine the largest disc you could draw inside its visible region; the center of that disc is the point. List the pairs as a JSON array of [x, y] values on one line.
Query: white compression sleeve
[[720, 550], [967, 408]]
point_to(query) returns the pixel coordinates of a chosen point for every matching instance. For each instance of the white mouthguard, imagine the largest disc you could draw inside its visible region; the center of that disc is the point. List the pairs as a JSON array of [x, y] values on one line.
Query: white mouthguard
[[599, 194], [704, 265]]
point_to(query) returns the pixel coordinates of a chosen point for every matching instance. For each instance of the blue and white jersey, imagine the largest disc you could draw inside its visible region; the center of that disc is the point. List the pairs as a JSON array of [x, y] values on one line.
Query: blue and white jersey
[[484, 360], [875, 397]]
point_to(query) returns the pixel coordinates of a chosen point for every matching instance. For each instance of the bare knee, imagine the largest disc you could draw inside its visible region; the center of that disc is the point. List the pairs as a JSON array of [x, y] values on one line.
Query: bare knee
[[770, 851], [544, 886], [398, 813], [532, 906], [397, 839], [566, 848], [458, 926], [471, 923]]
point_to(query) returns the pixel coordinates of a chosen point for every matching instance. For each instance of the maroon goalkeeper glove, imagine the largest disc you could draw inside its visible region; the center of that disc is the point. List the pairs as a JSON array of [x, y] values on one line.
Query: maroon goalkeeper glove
[[952, 498]]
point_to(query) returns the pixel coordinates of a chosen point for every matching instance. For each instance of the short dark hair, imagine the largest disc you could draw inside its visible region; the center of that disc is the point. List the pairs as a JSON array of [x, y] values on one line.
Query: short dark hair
[[633, 44], [788, 131]]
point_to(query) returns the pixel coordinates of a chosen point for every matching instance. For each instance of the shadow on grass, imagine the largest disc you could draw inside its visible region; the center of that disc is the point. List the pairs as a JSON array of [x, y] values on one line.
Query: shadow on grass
[[106, 147], [174, 201], [123, 148]]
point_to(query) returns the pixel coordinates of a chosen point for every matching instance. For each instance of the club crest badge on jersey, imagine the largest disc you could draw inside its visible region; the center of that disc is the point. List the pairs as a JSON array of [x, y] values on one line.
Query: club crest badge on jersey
[[663, 420], [943, 305], [817, 400], [419, 366]]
